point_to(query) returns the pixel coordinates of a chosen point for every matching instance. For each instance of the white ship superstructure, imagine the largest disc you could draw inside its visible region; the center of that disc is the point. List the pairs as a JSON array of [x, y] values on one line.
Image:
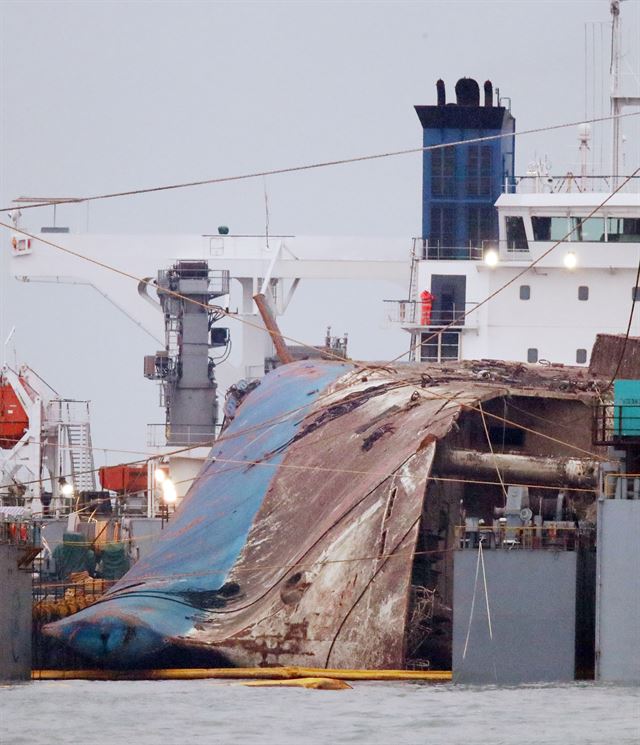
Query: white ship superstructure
[[583, 286]]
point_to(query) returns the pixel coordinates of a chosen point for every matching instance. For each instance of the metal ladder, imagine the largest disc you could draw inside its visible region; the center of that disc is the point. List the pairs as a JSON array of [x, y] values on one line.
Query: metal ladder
[[75, 453], [81, 456], [413, 296]]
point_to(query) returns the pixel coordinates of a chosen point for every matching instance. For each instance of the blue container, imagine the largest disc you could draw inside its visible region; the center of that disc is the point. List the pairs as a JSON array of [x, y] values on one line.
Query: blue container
[[626, 412]]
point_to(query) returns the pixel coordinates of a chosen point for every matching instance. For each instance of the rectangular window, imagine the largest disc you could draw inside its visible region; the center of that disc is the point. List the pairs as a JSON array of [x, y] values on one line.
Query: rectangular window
[[443, 171], [481, 225], [635, 294], [444, 346], [516, 234], [583, 292], [479, 170], [623, 229], [587, 229], [443, 226], [549, 228], [450, 345], [581, 356], [525, 292], [532, 354]]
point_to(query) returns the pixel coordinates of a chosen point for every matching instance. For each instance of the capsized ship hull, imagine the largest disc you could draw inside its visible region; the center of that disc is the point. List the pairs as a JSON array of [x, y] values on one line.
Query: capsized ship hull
[[325, 514]]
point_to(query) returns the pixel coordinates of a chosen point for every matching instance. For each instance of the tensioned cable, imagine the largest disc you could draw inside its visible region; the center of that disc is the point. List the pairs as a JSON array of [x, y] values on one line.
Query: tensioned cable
[[260, 327], [220, 310], [626, 336], [426, 392], [362, 366], [108, 267], [166, 291], [313, 166], [493, 455]]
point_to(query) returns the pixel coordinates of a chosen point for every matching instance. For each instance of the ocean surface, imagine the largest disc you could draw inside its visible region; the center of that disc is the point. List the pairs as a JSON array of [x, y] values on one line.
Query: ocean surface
[[210, 711]]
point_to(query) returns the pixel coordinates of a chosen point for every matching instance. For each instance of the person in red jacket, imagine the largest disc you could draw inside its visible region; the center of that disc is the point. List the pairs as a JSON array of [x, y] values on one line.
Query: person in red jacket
[[426, 305]]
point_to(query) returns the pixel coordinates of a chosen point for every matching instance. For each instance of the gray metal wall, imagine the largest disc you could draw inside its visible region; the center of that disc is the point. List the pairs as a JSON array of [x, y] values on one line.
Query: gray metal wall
[[15, 616], [618, 591], [532, 603]]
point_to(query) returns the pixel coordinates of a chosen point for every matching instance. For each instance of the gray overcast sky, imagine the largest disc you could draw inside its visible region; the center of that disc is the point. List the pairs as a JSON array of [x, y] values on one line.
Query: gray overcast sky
[[101, 96]]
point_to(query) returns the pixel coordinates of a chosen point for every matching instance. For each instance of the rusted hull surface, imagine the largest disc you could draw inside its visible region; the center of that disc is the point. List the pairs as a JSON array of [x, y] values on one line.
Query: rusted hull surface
[[296, 545], [615, 355], [326, 570]]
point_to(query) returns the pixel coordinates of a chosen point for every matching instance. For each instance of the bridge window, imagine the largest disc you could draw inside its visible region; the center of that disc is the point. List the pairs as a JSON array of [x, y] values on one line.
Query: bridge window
[[516, 234], [635, 294], [587, 229], [549, 228], [581, 356], [532, 354], [618, 229], [623, 229], [525, 292]]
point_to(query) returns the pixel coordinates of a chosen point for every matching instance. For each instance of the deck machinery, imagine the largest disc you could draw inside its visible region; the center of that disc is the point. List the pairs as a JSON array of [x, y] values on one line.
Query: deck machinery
[[185, 369]]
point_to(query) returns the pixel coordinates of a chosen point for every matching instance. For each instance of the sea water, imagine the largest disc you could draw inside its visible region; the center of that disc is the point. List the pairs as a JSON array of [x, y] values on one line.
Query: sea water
[[201, 712]]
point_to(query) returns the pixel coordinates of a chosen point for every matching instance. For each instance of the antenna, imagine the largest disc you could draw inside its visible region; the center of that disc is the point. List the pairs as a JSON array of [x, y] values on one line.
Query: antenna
[[616, 107], [584, 136], [266, 212]]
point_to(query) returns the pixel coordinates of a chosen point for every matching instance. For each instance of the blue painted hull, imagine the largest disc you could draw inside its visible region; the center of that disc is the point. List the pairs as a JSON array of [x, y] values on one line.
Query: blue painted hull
[[169, 591]]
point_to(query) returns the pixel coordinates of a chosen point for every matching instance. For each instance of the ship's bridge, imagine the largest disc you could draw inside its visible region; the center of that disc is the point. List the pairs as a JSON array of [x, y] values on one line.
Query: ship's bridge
[[529, 224]]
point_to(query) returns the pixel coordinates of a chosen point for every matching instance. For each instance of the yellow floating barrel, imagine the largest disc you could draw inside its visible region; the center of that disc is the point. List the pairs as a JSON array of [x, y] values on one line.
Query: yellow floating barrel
[[324, 684]]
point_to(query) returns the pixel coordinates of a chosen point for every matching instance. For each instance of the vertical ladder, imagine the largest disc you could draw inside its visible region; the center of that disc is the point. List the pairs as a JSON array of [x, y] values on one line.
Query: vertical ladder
[[413, 276], [414, 355]]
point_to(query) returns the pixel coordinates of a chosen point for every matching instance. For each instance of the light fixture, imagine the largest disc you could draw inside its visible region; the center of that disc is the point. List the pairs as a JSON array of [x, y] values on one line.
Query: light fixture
[[66, 488], [169, 494], [491, 257], [160, 475], [570, 260]]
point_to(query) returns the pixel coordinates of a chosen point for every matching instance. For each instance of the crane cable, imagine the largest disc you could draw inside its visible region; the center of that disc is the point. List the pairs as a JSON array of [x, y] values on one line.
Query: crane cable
[[313, 166]]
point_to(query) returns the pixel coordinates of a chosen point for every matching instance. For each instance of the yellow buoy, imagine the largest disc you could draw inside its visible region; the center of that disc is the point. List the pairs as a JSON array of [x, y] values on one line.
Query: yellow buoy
[[324, 684]]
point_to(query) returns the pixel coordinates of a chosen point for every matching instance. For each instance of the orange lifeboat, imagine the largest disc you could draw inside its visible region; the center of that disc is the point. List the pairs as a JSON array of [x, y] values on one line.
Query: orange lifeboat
[[124, 479], [13, 418]]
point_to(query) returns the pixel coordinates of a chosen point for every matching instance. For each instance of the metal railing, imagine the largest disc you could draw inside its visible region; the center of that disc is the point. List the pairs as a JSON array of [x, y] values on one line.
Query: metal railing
[[410, 313], [158, 435], [551, 535], [217, 280], [507, 249], [422, 249], [68, 411], [613, 423], [567, 183], [56, 599], [620, 485], [19, 532]]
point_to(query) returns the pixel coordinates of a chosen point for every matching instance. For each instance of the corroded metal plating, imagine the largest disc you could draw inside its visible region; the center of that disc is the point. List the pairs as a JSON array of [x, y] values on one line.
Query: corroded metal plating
[[296, 545]]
